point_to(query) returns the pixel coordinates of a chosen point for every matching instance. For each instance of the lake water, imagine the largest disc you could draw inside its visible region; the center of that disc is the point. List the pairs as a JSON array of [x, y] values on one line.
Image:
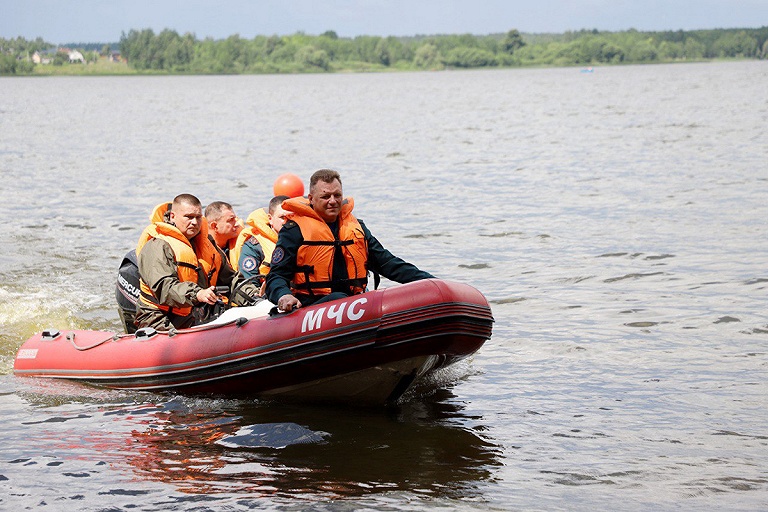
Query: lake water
[[616, 220]]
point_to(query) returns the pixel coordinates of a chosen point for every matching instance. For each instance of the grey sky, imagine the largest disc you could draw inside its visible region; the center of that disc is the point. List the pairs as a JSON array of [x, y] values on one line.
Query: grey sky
[[59, 21]]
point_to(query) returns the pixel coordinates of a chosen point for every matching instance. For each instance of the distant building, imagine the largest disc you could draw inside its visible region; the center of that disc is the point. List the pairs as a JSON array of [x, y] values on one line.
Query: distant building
[[43, 57], [76, 56]]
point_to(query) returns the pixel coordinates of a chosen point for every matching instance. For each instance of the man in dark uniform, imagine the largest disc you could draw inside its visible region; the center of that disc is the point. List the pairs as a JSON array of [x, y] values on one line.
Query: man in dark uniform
[[297, 277]]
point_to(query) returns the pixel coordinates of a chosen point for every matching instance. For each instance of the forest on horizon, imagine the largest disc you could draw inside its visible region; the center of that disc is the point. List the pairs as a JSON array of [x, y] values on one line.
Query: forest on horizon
[[168, 52]]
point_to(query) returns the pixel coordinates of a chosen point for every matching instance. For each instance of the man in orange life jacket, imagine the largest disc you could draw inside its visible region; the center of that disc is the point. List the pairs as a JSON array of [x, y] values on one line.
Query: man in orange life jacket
[[257, 240], [324, 253], [223, 226], [179, 268]]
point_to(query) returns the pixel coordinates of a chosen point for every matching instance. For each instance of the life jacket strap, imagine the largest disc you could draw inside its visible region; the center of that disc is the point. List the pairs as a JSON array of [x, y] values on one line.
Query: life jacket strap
[[151, 300], [307, 270], [309, 286], [213, 269], [359, 282], [333, 243]]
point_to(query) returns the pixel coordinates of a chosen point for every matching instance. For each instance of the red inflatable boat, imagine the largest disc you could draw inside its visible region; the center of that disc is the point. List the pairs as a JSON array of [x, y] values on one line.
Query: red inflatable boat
[[368, 348]]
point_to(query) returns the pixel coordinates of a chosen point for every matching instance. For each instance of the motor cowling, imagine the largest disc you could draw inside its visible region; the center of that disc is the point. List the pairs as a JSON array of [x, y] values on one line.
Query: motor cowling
[[127, 290]]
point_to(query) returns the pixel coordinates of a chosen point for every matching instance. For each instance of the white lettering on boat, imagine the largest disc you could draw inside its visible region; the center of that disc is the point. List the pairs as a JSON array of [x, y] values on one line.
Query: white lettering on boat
[[128, 286], [27, 353], [337, 314], [350, 312], [314, 319]]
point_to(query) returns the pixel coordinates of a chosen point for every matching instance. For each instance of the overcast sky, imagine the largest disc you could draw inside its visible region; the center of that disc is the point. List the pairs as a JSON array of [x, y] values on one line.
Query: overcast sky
[[60, 21]]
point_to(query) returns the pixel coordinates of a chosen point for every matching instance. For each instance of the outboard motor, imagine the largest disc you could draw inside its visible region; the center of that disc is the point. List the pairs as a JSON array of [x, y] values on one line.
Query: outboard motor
[[127, 290]]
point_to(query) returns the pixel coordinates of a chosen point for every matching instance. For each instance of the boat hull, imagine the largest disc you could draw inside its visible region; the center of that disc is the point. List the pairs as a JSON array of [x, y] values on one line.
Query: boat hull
[[367, 348]]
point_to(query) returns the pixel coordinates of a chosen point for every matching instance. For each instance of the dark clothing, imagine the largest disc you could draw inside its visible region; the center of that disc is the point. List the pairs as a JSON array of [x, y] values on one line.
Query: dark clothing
[[309, 300], [380, 261], [251, 258], [225, 259]]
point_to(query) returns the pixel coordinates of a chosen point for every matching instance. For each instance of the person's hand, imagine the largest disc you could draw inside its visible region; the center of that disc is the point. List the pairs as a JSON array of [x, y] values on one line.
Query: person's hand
[[288, 302], [207, 295]]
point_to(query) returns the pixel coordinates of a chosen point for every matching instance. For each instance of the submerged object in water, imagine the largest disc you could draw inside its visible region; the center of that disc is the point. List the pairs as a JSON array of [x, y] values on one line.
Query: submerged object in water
[[272, 435]]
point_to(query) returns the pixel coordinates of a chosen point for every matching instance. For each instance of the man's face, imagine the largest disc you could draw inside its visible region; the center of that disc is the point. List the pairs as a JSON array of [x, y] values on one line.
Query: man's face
[[326, 199], [226, 226], [278, 218], [187, 218]]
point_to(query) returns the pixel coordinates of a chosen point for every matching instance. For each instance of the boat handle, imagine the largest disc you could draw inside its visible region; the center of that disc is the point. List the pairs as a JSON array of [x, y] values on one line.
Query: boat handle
[[145, 333]]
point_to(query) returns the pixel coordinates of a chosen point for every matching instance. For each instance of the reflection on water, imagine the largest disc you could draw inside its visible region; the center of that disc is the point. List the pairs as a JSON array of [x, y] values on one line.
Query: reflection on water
[[417, 447], [365, 451]]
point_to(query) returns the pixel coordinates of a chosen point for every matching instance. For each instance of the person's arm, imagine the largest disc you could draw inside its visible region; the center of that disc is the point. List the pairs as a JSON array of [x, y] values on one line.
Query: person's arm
[[157, 267], [383, 262], [283, 262], [251, 257], [240, 293]]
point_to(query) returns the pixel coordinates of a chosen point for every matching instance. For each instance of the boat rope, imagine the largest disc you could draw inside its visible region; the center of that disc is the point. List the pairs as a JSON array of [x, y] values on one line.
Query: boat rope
[[171, 333], [71, 338]]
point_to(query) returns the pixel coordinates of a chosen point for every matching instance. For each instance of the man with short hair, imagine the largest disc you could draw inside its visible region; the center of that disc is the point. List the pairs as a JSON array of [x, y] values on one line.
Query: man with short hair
[[254, 246], [324, 253], [179, 268], [223, 226]]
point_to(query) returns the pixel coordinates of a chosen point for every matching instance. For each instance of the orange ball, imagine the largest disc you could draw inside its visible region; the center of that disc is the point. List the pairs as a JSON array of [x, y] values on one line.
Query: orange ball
[[288, 185]]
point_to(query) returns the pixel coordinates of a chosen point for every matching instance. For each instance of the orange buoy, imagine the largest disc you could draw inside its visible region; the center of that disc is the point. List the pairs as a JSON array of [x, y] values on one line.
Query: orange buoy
[[288, 185]]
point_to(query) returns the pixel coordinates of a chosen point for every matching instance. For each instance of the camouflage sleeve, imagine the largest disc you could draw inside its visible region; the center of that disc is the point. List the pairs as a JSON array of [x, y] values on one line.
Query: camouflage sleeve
[[157, 267]]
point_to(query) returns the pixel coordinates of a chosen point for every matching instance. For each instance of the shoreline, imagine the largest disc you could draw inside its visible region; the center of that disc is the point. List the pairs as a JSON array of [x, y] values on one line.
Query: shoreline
[[123, 69]]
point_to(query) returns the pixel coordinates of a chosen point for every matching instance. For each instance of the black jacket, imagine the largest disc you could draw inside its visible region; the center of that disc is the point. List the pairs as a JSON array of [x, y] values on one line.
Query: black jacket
[[380, 261]]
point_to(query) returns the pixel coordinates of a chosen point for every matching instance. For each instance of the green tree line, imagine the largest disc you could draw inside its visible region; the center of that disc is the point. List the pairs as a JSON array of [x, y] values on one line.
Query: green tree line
[[16, 55], [170, 52]]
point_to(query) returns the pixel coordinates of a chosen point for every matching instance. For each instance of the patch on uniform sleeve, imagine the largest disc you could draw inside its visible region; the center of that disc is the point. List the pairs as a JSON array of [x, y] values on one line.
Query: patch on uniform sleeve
[[277, 255], [249, 263]]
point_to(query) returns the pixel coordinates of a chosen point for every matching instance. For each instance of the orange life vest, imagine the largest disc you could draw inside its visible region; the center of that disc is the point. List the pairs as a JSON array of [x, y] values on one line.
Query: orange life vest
[[256, 227], [231, 243], [228, 250], [314, 259], [195, 259], [160, 212]]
